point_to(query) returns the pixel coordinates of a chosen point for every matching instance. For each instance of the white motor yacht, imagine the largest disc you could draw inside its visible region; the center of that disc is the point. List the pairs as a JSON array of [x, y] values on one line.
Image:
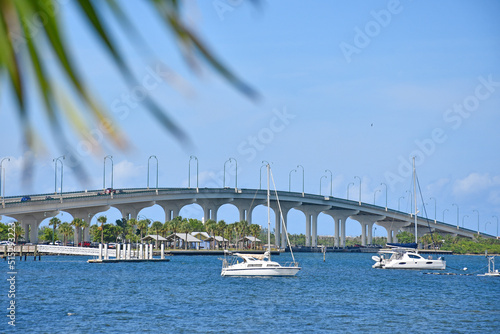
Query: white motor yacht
[[256, 265], [406, 258]]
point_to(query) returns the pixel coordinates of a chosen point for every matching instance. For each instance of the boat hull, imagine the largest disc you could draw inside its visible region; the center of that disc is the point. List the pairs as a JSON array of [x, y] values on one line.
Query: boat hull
[[427, 265], [280, 271]]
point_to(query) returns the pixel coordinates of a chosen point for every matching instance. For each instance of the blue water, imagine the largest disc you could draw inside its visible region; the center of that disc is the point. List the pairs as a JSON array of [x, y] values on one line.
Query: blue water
[[188, 295]]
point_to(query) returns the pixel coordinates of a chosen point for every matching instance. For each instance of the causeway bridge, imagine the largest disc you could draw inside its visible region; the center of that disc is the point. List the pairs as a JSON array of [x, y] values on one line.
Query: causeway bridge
[[130, 202]]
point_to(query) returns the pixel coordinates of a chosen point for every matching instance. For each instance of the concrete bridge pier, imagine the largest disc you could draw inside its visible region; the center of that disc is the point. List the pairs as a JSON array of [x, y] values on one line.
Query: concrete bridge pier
[[280, 238], [85, 214], [210, 207], [340, 216], [30, 223], [173, 207], [131, 210], [393, 229], [311, 212], [367, 222]]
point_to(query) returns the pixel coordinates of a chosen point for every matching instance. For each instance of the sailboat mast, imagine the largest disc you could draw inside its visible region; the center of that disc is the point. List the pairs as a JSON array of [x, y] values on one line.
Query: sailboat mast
[[415, 198], [268, 212]]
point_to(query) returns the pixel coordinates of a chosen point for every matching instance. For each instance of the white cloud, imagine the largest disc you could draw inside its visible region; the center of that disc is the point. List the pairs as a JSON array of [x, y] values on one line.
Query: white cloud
[[125, 171], [475, 183]]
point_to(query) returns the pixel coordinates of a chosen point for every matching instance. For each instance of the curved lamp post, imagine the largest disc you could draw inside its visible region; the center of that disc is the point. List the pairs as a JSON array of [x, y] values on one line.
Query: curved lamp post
[[290, 180], [385, 195], [110, 157], [56, 160], [153, 156], [457, 214], [359, 189], [435, 209], [236, 178], [302, 178], [497, 224], [350, 184], [331, 181], [375, 194], [463, 220], [321, 178], [399, 202], [444, 212], [477, 220], [2, 173], [189, 171], [265, 163], [486, 224]]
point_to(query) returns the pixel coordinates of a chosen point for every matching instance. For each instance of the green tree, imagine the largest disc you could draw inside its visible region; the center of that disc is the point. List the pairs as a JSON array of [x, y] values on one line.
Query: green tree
[[102, 220], [66, 230], [18, 231], [55, 222], [131, 230], [211, 227], [46, 234], [85, 225], [174, 226], [405, 237], [77, 223], [255, 231], [142, 225], [4, 231], [122, 223], [157, 226], [186, 227]]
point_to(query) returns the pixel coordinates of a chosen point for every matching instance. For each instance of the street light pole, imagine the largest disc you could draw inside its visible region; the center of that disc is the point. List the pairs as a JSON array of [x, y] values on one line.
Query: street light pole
[[385, 195], [351, 183], [331, 181], [457, 214], [302, 178], [110, 157], [189, 176], [435, 209], [443, 213], [497, 223], [399, 202], [486, 224], [290, 180], [153, 156], [224, 178], [321, 178], [477, 220], [2, 173], [374, 195], [56, 160], [265, 163], [359, 189]]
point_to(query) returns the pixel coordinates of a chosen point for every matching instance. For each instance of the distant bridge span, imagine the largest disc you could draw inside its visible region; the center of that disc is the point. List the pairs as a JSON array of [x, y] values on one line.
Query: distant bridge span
[[130, 202]]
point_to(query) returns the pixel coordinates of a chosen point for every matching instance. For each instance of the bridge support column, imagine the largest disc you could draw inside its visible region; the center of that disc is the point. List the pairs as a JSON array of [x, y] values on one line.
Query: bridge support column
[[393, 229], [311, 212], [280, 238], [30, 223], [131, 210], [367, 222], [340, 216]]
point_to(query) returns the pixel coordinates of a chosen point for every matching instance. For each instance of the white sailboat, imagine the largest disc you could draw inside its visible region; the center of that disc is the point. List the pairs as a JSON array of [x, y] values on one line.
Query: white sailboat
[[405, 257], [260, 264]]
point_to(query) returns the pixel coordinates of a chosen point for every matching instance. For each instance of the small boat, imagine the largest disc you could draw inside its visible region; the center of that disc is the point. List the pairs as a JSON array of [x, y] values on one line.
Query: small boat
[[492, 272], [406, 256], [259, 264]]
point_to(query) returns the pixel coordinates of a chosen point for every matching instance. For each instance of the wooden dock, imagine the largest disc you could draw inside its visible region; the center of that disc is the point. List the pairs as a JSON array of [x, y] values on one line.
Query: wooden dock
[[126, 260]]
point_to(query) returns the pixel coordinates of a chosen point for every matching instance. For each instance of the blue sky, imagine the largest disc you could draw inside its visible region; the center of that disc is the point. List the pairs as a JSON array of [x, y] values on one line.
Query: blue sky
[[355, 87]]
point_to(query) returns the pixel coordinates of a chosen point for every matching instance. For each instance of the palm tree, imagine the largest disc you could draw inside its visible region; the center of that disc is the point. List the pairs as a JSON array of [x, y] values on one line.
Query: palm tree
[[186, 227], [255, 231], [54, 221], [157, 226], [66, 230], [132, 223], [102, 220], [77, 223], [143, 224], [241, 229], [15, 60], [221, 228], [85, 224], [211, 226], [18, 231], [175, 225]]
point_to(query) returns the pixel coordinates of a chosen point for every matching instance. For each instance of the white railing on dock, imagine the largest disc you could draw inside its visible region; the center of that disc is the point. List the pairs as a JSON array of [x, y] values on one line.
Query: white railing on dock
[[66, 250]]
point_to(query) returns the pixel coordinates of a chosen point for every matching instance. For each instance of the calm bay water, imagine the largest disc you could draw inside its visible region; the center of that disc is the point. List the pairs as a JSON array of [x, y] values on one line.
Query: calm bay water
[[188, 295]]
